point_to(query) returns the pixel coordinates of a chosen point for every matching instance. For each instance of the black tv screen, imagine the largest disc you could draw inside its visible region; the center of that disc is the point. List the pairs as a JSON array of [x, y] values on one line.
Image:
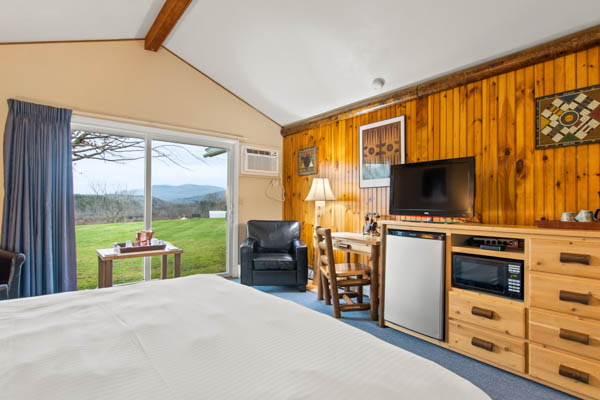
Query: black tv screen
[[444, 188]]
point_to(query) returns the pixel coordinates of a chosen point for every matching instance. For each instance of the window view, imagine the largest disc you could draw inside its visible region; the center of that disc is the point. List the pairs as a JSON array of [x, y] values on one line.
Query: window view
[[188, 203]]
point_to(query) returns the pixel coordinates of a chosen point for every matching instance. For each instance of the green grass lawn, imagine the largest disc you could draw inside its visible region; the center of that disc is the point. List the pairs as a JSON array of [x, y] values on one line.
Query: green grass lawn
[[203, 241]]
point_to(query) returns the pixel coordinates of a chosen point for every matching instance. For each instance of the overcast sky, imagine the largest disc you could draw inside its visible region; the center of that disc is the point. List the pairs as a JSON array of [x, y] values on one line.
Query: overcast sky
[[129, 175]]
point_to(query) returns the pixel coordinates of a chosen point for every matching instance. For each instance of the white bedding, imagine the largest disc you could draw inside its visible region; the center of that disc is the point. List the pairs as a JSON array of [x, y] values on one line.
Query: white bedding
[[201, 337]]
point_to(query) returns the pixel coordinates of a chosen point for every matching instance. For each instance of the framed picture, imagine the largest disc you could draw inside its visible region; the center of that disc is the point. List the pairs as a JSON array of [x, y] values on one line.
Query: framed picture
[[381, 145], [568, 118], [307, 161]]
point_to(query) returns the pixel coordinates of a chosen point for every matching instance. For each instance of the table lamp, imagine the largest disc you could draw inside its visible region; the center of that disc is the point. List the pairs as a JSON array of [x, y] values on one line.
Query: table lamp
[[320, 191]]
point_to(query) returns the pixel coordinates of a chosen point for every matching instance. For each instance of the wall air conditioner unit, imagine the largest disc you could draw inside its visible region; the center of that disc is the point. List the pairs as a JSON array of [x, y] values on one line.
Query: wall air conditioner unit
[[260, 161]]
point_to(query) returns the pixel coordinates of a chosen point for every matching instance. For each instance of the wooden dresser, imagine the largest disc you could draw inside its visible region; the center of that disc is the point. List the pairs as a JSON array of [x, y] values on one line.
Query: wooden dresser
[[553, 335]]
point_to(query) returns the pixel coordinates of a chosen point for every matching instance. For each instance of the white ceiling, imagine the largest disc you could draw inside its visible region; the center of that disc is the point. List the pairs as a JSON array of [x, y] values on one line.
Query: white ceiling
[[294, 59]]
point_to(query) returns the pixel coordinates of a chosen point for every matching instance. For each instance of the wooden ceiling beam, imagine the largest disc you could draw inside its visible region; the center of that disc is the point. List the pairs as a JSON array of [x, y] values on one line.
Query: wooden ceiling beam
[[572, 43], [164, 23]]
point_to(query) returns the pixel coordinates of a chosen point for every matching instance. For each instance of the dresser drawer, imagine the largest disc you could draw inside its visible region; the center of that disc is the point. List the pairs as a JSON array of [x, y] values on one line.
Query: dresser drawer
[[575, 296], [568, 371], [568, 257], [488, 311], [495, 347], [572, 334]]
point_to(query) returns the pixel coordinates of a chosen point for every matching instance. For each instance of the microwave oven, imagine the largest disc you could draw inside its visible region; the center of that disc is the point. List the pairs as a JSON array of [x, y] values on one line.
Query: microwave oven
[[499, 276]]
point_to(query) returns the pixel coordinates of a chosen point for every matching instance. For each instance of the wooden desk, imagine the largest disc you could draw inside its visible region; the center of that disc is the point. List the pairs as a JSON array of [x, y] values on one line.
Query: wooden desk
[[107, 256], [359, 244]]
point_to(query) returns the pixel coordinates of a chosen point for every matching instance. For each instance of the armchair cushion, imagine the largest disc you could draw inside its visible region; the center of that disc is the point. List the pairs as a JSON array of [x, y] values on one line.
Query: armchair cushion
[[274, 261]]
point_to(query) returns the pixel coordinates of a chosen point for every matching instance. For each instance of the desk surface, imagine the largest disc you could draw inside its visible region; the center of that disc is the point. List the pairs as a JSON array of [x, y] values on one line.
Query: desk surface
[[356, 237]]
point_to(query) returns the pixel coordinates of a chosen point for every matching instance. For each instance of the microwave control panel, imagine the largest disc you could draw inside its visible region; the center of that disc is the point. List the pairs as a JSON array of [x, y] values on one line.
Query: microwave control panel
[[514, 278]]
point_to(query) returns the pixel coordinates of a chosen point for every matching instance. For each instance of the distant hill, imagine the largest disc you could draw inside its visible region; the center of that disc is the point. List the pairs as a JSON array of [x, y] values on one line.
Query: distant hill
[[180, 193]]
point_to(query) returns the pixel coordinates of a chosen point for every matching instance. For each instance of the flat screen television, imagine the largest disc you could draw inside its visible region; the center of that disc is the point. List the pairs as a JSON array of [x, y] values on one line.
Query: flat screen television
[[443, 188]]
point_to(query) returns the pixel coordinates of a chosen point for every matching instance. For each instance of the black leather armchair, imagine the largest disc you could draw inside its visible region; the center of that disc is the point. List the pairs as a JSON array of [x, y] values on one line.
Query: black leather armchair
[[10, 274], [273, 254]]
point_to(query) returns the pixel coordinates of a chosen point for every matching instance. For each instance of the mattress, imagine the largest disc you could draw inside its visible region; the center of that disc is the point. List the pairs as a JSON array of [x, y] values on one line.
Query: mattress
[[201, 337]]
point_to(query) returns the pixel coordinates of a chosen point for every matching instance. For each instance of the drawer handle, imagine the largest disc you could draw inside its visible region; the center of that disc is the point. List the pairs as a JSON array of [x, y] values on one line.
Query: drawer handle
[[574, 336], [574, 374], [482, 344], [575, 258], [482, 312], [575, 297]]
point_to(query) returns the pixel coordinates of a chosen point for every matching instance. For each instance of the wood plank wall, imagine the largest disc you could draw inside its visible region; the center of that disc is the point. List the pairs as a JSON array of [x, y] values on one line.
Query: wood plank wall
[[493, 119]]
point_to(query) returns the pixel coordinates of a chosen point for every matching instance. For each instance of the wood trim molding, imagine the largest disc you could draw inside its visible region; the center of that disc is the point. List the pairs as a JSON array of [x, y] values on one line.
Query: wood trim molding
[[572, 43], [164, 23]]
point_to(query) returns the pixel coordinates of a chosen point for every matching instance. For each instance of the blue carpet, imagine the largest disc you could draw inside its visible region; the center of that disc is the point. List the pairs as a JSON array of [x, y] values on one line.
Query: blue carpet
[[497, 383]]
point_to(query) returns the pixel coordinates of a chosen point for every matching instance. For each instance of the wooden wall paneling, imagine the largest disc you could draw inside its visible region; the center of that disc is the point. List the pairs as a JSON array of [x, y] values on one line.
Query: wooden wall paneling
[[493, 119], [483, 180], [549, 183], [510, 160], [559, 153], [529, 131], [582, 150], [502, 174], [519, 147], [539, 155], [443, 124], [463, 95], [570, 151], [493, 177], [594, 149]]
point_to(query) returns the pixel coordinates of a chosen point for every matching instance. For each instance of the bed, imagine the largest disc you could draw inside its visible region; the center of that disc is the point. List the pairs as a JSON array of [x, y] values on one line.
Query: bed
[[201, 337]]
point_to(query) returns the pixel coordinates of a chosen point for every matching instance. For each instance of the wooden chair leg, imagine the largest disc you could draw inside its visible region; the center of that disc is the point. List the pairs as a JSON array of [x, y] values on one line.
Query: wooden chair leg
[[335, 299], [360, 293], [326, 292]]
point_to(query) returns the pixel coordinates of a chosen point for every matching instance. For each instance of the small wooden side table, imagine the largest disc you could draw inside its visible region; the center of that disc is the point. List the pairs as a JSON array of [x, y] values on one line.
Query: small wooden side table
[[357, 243], [107, 256]]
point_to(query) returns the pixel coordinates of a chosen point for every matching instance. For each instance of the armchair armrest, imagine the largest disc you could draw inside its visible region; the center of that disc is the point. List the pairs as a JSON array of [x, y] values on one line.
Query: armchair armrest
[[246, 256], [14, 261], [300, 250]]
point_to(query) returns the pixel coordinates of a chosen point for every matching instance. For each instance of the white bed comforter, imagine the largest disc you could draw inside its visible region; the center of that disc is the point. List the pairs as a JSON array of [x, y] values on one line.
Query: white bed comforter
[[201, 337]]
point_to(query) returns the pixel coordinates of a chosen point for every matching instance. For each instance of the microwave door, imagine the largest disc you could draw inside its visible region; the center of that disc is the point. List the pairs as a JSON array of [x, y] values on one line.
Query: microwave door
[[478, 273]]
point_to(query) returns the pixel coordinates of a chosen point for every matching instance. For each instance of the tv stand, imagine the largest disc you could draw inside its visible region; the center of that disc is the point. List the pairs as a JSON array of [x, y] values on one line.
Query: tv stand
[[552, 336]]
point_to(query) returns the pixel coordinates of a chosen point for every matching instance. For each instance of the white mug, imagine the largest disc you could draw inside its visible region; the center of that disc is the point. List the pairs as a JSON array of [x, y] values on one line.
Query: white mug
[[567, 217], [584, 216], [154, 241]]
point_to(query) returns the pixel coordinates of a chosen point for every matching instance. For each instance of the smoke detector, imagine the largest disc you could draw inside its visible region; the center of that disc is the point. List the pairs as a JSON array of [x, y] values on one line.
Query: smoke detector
[[378, 83]]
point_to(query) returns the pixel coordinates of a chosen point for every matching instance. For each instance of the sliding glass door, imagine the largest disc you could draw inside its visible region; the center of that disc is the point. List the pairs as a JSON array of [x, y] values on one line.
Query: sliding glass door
[[129, 177], [189, 204]]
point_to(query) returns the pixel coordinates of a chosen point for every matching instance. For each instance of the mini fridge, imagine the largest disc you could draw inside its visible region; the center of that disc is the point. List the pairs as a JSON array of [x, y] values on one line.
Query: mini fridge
[[414, 281]]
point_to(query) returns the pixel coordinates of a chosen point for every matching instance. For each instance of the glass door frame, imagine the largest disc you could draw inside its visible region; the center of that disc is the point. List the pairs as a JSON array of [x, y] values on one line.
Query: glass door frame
[[148, 134]]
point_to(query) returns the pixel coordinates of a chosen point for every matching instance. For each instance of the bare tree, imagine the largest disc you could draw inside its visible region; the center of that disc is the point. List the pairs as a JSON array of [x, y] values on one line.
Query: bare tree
[[100, 146]]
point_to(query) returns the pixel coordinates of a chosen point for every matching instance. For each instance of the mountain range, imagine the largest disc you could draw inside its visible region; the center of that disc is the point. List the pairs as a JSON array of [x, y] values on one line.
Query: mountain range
[[180, 193]]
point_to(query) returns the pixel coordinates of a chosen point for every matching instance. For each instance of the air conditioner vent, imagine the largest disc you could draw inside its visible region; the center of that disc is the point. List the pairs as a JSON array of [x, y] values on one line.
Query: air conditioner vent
[[260, 161]]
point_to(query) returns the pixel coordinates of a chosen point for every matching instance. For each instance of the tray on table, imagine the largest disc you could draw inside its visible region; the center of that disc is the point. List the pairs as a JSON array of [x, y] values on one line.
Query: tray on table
[[137, 247]]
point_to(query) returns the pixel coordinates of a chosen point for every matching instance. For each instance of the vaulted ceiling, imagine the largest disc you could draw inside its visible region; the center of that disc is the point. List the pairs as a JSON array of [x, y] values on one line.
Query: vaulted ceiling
[[294, 59]]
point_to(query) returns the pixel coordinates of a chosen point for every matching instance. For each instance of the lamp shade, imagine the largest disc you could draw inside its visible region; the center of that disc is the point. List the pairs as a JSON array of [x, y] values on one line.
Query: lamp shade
[[320, 190]]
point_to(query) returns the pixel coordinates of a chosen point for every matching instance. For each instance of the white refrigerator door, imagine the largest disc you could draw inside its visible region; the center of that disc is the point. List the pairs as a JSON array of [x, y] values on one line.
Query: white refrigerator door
[[414, 284]]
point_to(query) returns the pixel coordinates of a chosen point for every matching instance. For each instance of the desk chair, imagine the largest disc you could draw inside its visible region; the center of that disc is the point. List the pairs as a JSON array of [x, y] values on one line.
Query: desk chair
[[340, 276]]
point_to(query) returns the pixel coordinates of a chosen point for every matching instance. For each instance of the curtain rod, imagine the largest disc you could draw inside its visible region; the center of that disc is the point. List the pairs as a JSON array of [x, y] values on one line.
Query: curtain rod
[[161, 125]]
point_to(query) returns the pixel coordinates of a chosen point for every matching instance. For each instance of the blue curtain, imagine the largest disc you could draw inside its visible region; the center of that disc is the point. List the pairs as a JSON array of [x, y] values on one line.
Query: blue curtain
[[39, 218]]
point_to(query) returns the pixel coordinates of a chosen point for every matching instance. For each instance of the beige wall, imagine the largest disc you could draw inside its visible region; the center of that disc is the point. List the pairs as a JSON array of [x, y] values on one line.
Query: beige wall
[[121, 79]]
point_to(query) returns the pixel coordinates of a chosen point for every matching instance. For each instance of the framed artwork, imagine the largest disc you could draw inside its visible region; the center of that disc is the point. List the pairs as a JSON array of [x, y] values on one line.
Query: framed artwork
[[568, 118], [307, 161], [381, 145]]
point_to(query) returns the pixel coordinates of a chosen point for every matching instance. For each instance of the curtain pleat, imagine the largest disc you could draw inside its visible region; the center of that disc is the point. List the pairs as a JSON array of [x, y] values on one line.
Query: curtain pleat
[[39, 212]]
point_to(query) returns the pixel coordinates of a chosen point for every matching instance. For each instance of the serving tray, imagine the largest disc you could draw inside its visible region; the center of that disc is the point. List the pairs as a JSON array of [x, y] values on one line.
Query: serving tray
[[137, 248], [567, 225]]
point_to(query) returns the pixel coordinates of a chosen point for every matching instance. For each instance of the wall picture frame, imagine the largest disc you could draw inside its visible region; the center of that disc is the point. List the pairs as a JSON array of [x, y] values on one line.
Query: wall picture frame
[[382, 144], [307, 161], [568, 118]]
